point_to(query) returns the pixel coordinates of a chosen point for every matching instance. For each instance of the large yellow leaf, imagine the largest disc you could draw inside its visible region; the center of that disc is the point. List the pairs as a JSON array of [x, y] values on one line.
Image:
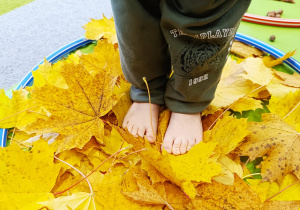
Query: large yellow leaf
[[227, 134], [96, 29], [276, 139], [266, 189], [229, 167], [113, 143], [256, 71], [232, 85], [288, 108], [236, 196], [120, 109], [76, 112], [244, 104], [292, 80], [103, 58], [26, 176], [18, 111], [155, 175], [279, 90], [109, 193], [137, 186], [181, 170], [46, 74]]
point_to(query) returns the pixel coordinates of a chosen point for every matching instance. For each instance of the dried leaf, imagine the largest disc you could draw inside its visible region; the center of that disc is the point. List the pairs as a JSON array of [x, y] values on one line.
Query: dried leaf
[[76, 201], [288, 108], [27, 176], [254, 67], [279, 60], [276, 139], [104, 28], [243, 50], [288, 79], [244, 104], [18, 111]]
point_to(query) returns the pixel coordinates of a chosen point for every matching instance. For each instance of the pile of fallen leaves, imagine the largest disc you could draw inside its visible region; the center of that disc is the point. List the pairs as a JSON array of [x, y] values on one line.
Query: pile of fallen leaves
[[68, 151]]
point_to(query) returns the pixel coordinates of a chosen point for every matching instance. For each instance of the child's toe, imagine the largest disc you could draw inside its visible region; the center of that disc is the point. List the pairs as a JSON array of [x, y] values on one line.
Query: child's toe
[[149, 135], [168, 144], [183, 146], [176, 146], [141, 131], [134, 130]]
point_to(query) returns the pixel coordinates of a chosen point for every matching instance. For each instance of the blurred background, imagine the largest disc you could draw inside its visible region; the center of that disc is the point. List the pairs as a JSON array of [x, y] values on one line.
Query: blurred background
[[32, 29]]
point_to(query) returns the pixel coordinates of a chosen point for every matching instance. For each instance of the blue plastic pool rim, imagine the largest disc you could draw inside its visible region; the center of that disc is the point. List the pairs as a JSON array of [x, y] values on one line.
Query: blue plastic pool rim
[[55, 56]]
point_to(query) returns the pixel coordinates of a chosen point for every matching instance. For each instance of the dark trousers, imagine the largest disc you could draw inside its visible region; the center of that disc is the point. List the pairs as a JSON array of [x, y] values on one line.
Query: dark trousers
[[190, 37]]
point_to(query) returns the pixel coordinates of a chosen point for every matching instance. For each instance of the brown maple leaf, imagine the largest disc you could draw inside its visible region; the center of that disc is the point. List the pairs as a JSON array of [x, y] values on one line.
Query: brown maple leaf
[[276, 139]]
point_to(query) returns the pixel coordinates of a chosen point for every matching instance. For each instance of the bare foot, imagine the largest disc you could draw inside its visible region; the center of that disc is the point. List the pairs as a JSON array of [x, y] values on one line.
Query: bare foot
[[137, 120], [184, 132]]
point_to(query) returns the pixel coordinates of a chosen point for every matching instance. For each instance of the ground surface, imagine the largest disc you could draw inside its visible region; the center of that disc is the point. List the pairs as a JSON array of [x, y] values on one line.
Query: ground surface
[[7, 6], [35, 30]]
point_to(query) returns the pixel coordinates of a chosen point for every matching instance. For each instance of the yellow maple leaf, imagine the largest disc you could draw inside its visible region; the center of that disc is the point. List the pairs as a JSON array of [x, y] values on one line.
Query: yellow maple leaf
[[288, 108], [187, 167], [243, 50], [254, 67], [46, 74], [279, 90], [220, 196], [271, 63], [292, 80], [155, 175], [181, 170], [76, 201], [109, 193], [137, 186], [229, 167], [276, 139], [103, 58], [227, 134], [232, 85], [104, 28], [163, 122], [113, 143], [27, 176], [18, 111], [76, 112], [271, 205], [244, 104], [120, 109], [266, 189]]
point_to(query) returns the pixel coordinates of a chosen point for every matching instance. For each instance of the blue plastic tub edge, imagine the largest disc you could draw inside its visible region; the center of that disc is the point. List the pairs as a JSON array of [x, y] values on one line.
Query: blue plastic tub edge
[[82, 42]]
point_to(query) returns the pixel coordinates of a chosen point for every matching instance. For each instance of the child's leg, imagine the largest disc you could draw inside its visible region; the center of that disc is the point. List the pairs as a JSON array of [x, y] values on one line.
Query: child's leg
[[200, 34], [144, 53]]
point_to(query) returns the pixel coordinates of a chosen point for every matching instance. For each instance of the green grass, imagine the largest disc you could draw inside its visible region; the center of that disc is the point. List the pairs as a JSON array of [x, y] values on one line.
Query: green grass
[[9, 5]]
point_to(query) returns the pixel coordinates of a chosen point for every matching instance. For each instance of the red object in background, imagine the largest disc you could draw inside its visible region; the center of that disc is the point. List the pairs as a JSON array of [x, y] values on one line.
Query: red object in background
[[294, 23]]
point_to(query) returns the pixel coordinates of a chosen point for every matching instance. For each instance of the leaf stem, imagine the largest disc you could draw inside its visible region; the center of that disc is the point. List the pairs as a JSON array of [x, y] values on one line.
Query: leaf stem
[[91, 189], [115, 157], [91, 172], [231, 106], [154, 136], [251, 175], [291, 110], [246, 163], [18, 113], [281, 191], [133, 153]]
